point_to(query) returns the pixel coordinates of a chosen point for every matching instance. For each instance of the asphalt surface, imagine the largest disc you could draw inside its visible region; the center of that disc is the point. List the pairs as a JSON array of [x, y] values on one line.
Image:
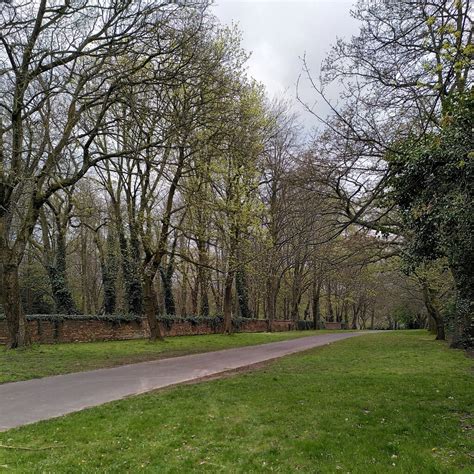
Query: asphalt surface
[[26, 402]]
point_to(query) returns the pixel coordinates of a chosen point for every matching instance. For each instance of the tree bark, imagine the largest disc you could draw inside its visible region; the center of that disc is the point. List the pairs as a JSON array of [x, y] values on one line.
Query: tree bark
[[306, 310], [184, 294], [167, 281], [345, 313], [9, 279], [242, 293], [355, 315], [109, 267], [194, 297], [229, 280], [296, 290], [54, 256], [203, 279], [18, 335], [272, 294], [433, 311], [463, 334], [330, 309], [150, 307], [57, 275], [316, 303], [133, 288]]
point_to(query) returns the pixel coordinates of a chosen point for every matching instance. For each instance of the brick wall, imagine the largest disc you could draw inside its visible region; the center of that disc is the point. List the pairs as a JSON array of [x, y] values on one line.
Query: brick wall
[[334, 325], [93, 330]]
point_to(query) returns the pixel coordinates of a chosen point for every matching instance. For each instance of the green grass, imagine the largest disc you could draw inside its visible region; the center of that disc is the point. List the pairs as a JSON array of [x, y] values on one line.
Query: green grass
[[393, 402], [53, 359]]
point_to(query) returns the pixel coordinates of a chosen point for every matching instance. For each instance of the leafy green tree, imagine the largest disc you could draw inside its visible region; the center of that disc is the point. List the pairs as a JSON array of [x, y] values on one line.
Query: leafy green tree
[[235, 185], [432, 182]]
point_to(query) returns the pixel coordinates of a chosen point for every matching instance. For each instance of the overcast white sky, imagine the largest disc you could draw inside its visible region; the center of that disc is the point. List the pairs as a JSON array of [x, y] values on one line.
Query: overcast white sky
[[280, 32]]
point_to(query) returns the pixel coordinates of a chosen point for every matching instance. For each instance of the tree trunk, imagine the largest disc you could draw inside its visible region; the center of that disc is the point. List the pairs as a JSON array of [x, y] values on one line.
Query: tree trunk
[[203, 279], [109, 267], [167, 282], [85, 302], [316, 304], [345, 319], [16, 321], [229, 280], [184, 294], [217, 295], [295, 304], [296, 291], [108, 283], [203, 297], [9, 282], [256, 309], [194, 297], [133, 288], [363, 316], [29, 298], [287, 308], [431, 324], [330, 309], [54, 257], [149, 303], [272, 293], [57, 275], [433, 311], [108, 259], [242, 293], [463, 334], [339, 306], [306, 310], [355, 315]]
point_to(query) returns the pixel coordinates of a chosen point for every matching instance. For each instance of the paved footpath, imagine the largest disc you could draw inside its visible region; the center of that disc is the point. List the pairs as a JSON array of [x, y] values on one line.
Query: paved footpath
[[26, 402]]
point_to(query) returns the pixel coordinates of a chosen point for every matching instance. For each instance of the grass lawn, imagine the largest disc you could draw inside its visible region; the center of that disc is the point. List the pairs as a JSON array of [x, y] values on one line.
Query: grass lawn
[[392, 402], [54, 359]]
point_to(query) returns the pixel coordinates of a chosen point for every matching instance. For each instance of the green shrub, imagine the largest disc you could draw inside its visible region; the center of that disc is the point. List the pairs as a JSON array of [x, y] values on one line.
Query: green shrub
[[304, 325]]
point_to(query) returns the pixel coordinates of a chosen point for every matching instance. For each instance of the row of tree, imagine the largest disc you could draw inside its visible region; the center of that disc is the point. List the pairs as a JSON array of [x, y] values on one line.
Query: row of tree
[[142, 171], [399, 153]]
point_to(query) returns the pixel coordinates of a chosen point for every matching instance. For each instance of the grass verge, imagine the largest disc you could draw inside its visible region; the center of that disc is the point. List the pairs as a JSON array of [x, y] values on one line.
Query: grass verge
[[394, 402]]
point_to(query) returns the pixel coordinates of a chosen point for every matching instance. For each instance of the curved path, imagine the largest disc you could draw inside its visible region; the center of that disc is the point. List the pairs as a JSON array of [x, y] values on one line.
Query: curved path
[[26, 402]]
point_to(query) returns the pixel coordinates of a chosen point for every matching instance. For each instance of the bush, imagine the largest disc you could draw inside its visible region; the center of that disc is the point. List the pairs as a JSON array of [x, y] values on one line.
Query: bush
[[304, 325]]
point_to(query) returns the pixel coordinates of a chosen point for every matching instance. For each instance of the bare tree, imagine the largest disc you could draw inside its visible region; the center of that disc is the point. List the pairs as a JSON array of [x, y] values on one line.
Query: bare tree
[[62, 66]]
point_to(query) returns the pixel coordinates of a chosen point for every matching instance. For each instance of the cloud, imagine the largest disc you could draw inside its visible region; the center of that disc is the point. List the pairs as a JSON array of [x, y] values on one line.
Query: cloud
[[279, 33]]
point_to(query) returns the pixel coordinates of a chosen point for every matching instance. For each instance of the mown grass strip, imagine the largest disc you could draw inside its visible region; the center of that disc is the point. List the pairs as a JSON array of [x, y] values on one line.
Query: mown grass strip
[[394, 402]]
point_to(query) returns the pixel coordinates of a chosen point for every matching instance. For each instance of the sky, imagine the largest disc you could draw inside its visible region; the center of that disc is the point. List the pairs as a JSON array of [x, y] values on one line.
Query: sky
[[279, 33]]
